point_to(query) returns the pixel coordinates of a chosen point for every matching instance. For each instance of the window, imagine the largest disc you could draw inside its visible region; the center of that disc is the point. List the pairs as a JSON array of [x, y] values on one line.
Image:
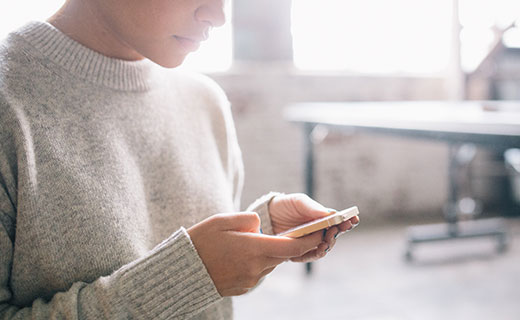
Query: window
[[397, 36], [17, 13], [482, 22], [372, 36], [214, 55]]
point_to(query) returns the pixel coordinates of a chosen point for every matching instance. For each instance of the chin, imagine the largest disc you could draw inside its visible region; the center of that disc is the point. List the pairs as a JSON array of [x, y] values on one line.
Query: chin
[[169, 62]]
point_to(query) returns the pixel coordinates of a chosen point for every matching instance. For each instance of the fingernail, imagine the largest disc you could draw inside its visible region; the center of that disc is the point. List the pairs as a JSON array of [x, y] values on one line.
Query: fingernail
[[327, 250], [336, 235], [355, 225]]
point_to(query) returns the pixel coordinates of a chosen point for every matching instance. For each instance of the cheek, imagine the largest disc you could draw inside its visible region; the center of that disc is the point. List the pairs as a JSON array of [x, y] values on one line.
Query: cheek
[[148, 28], [153, 20], [168, 16]]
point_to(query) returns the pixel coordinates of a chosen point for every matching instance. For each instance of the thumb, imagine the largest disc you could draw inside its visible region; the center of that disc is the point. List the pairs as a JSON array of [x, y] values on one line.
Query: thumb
[[240, 221], [311, 208]]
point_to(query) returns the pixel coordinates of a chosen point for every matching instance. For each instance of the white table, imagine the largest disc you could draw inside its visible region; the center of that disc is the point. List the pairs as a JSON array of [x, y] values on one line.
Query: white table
[[491, 124]]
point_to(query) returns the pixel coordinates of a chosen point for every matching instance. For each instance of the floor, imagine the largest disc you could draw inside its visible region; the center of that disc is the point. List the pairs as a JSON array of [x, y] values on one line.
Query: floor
[[365, 278]]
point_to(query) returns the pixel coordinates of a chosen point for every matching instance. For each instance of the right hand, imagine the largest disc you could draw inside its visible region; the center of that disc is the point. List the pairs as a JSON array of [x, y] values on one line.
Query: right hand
[[237, 256]]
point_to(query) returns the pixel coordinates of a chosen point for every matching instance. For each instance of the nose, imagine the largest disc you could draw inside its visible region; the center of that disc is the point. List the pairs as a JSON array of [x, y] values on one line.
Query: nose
[[212, 12]]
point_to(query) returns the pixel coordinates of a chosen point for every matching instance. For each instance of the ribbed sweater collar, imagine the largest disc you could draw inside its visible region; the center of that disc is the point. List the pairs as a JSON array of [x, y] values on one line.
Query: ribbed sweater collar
[[85, 62]]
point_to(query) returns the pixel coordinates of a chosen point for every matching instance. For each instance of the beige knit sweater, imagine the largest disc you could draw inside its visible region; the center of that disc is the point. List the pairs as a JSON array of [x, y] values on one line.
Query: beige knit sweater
[[103, 164]]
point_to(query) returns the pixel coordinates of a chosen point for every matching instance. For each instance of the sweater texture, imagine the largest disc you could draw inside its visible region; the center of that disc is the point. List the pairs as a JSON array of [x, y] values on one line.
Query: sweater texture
[[104, 163]]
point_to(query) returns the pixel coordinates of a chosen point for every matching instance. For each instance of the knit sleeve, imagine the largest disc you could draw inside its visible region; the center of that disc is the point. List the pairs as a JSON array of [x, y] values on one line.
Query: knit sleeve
[[169, 283], [261, 206]]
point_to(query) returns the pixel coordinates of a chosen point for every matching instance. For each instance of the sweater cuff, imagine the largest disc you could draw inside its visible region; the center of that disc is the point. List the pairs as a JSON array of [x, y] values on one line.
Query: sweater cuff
[[171, 282], [261, 206]]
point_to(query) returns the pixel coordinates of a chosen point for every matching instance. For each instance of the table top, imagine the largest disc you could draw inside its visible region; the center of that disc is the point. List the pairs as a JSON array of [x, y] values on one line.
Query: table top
[[482, 122]]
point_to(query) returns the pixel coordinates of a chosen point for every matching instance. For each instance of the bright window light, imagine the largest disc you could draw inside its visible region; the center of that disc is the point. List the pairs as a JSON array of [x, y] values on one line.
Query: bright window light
[[475, 45], [17, 13], [488, 13], [512, 37], [214, 55], [482, 22], [372, 36]]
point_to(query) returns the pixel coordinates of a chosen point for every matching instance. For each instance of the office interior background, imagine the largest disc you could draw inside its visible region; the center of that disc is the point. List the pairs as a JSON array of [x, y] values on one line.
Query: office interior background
[[274, 53]]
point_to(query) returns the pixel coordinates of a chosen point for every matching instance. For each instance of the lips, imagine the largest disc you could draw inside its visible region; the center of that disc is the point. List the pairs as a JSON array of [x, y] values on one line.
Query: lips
[[188, 44]]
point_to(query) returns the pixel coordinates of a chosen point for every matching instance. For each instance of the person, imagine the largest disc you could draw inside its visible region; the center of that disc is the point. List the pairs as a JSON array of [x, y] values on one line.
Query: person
[[121, 175]]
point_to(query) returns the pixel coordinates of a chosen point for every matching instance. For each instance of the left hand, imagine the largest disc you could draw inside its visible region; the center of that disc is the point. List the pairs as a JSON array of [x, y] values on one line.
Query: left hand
[[290, 210]]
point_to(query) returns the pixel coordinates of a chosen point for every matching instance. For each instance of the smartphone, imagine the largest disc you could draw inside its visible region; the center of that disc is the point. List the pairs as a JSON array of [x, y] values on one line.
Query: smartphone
[[322, 223]]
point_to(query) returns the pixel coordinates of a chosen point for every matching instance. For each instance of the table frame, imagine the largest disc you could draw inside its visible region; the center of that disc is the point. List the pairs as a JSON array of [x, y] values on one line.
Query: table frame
[[452, 228]]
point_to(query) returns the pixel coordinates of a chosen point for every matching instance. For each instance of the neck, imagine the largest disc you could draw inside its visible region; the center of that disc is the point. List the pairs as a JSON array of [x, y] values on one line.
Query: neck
[[79, 20]]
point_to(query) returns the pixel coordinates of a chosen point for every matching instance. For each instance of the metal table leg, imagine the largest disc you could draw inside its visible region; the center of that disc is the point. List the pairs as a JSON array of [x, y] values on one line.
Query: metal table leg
[[309, 170], [454, 229]]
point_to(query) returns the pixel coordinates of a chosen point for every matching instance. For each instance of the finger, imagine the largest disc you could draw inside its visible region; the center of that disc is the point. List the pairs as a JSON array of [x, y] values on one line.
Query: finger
[[329, 235], [330, 241], [354, 220], [310, 208], [239, 221], [271, 262], [349, 224], [266, 272], [284, 247], [312, 255], [330, 244], [344, 226], [322, 249]]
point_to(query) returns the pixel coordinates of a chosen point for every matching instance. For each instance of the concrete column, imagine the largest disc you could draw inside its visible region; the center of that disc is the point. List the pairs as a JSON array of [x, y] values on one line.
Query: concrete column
[[455, 82], [262, 30]]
